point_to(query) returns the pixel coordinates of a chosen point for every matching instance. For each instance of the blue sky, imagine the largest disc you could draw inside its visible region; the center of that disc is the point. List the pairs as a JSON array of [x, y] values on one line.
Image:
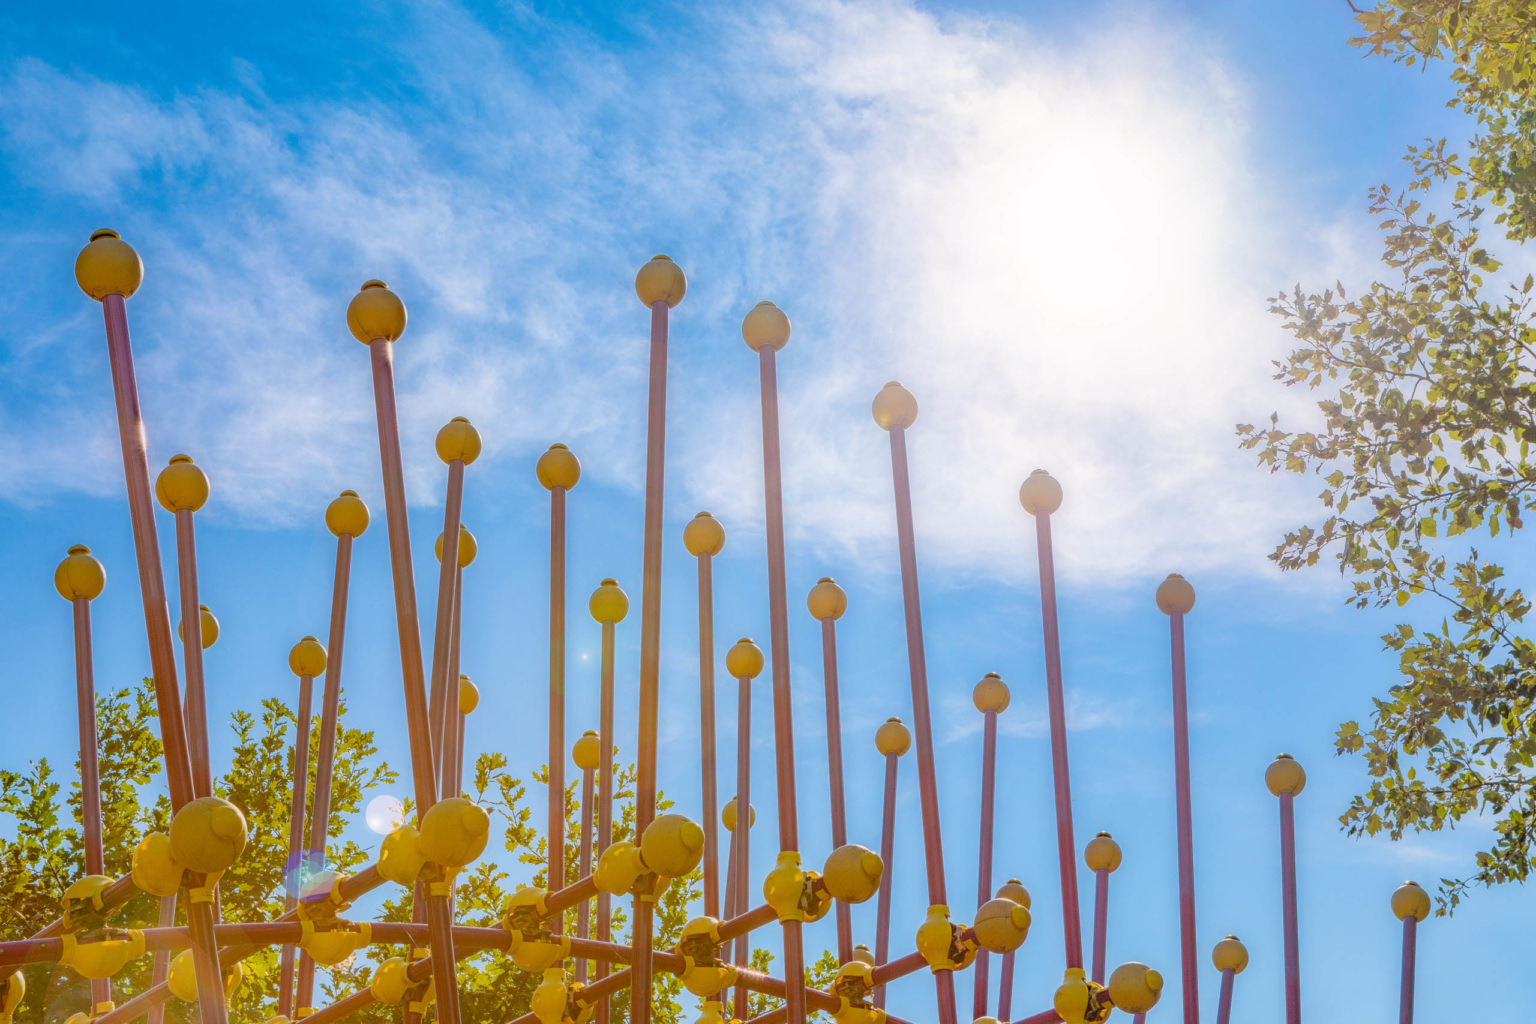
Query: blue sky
[[1058, 224]]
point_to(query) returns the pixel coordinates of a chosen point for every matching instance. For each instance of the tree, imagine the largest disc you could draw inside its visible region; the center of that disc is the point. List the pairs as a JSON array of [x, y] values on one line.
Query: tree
[[1427, 423]]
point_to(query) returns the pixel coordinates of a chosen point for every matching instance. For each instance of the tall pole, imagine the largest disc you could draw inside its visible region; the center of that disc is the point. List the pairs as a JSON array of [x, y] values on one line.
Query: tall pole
[[660, 284], [307, 660], [586, 755], [827, 603], [895, 410], [558, 470], [744, 661], [1014, 890], [458, 444], [1285, 779], [109, 271], [1102, 856], [1411, 905], [376, 317], [704, 538], [892, 740], [608, 606], [450, 759], [183, 489], [1175, 597], [1230, 958], [1040, 495], [766, 330], [991, 698]]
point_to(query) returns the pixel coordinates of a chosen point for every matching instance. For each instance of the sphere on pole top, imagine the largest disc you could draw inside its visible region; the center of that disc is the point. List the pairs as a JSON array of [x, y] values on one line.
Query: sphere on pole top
[[347, 515], [376, 314], [208, 627], [1230, 955], [893, 738], [181, 486], [469, 695], [728, 815], [1175, 595], [704, 535], [586, 750], [80, 575], [307, 658], [1410, 901], [894, 407], [558, 468], [660, 280], [458, 440], [826, 600], [108, 266], [765, 325], [744, 660], [1102, 853], [468, 549], [1040, 492], [1284, 775], [609, 603], [991, 694], [1014, 890], [1135, 988]]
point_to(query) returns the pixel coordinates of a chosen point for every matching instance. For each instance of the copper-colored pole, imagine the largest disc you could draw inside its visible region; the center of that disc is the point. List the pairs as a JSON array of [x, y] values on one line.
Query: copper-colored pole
[[827, 602], [704, 538], [895, 409], [453, 736], [608, 605], [741, 835], [558, 470], [1013, 890], [453, 506], [1285, 779], [585, 865], [1175, 597], [294, 868], [892, 740], [1100, 921], [196, 707], [984, 857], [1410, 903], [1224, 1000]]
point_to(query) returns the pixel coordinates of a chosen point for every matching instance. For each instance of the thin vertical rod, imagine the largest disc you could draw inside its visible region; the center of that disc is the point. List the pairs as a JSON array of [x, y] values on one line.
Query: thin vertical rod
[[604, 799], [707, 735], [650, 647], [157, 624], [1288, 895], [584, 868], [1410, 954], [730, 878], [195, 709], [453, 732], [1186, 828], [984, 856], [741, 837], [1100, 921], [928, 789], [294, 866], [161, 969], [1071, 922], [778, 621], [442, 634], [1005, 987], [1224, 1000], [556, 833], [835, 775], [90, 774], [887, 852]]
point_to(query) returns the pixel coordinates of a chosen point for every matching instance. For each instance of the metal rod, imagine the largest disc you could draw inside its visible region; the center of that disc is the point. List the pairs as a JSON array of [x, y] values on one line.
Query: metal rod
[[1191, 987], [605, 782], [453, 738], [1100, 921], [835, 776], [294, 868], [583, 909], [710, 795], [1224, 1000], [90, 774], [1288, 895], [161, 967], [887, 852], [1005, 987], [984, 855], [741, 836], [195, 708], [442, 634], [1410, 952], [556, 767]]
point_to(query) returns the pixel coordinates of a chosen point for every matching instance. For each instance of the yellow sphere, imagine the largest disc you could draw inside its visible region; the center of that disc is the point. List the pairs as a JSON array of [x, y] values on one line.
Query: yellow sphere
[[618, 868], [307, 658], [1102, 853], [893, 738], [1001, 925], [1175, 594], [826, 600], [108, 266], [376, 313], [1230, 955], [985, 1020], [703, 535], [1135, 988], [558, 468], [347, 515], [181, 485], [468, 549], [390, 981], [1410, 901], [991, 694], [549, 999], [587, 751], [155, 869], [852, 873], [1284, 775], [12, 990], [744, 660], [728, 816], [208, 627], [1075, 1001], [469, 695], [183, 977], [766, 325], [660, 280], [79, 576], [454, 832], [400, 857], [458, 440], [672, 845], [712, 1012], [1040, 493], [784, 885], [863, 955], [894, 407], [1014, 890], [208, 834], [608, 603], [934, 938]]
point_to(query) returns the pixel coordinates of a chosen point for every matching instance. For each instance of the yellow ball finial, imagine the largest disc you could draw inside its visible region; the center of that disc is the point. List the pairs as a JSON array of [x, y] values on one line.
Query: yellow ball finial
[[672, 846], [728, 816], [181, 485], [991, 694], [893, 738], [1230, 955], [852, 873], [660, 280], [208, 627], [108, 266], [1001, 925], [826, 600], [469, 695], [79, 576], [468, 548], [376, 313], [1102, 853], [862, 954], [1175, 595], [894, 407], [558, 468], [1410, 901], [608, 603], [208, 834], [307, 658], [1040, 493], [765, 326], [744, 660], [1284, 775], [347, 515], [454, 832], [704, 535], [587, 751], [1135, 988], [1014, 890], [458, 440]]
